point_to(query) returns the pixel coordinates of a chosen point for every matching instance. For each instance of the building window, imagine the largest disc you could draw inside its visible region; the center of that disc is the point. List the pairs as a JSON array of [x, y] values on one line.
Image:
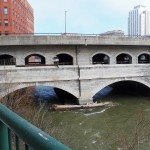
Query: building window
[[5, 0], [13, 23], [6, 32], [13, 12], [6, 22], [5, 10]]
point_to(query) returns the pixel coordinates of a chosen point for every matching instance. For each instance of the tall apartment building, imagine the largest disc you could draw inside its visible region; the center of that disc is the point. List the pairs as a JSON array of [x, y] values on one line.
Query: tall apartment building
[[139, 21], [16, 16]]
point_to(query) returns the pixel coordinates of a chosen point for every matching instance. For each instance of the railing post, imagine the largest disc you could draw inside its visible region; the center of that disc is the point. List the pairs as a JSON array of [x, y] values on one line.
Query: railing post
[[17, 143], [10, 139], [4, 144]]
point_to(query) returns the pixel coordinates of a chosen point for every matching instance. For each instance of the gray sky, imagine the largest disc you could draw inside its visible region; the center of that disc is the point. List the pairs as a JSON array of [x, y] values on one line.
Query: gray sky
[[83, 16]]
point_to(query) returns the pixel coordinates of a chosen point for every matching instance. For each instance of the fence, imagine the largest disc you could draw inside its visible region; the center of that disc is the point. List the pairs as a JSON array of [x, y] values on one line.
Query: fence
[[75, 34]]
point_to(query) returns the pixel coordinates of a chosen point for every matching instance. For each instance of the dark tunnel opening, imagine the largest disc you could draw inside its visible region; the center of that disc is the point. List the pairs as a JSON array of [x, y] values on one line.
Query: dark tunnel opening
[[65, 97], [123, 89], [51, 95]]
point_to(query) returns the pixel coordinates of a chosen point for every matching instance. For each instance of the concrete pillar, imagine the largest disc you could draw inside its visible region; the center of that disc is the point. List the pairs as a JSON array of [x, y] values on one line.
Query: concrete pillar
[[20, 61], [86, 95], [134, 60], [112, 60], [84, 100], [49, 60]]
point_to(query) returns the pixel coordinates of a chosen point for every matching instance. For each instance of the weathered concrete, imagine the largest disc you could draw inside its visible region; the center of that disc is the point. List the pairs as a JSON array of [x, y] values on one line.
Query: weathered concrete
[[15, 78], [73, 40], [94, 79], [82, 79]]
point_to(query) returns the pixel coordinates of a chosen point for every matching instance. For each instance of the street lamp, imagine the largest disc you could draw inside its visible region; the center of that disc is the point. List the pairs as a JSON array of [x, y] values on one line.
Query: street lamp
[[65, 21]]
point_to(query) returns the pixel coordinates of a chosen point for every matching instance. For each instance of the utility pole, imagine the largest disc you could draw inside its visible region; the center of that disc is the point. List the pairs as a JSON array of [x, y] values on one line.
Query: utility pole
[[65, 21]]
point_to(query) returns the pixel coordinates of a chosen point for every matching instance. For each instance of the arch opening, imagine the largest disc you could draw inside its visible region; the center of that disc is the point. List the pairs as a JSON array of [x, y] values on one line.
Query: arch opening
[[7, 60], [65, 97], [20, 98], [64, 59], [144, 58], [35, 59], [53, 95], [123, 59], [122, 89], [40, 94], [100, 59]]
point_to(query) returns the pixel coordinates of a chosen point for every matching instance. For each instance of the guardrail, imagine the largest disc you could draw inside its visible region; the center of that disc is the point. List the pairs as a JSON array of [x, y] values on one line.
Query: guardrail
[[32, 137], [4, 62], [75, 34]]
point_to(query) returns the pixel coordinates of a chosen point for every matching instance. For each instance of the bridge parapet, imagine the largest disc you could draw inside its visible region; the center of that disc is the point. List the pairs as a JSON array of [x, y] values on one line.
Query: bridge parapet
[[62, 77], [38, 74], [73, 40], [114, 71]]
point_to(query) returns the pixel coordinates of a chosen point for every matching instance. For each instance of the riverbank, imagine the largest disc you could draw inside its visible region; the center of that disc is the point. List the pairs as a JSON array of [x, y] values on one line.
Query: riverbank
[[75, 107]]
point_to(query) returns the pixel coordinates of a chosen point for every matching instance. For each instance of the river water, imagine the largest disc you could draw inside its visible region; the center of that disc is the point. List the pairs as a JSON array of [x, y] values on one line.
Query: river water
[[125, 125]]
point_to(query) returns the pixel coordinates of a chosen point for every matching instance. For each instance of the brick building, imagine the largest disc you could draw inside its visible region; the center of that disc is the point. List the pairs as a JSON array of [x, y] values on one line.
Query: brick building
[[16, 16]]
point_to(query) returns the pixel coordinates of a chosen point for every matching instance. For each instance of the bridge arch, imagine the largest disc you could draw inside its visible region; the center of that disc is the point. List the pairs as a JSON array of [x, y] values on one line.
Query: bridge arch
[[100, 58], [124, 58], [7, 59], [143, 58], [101, 86], [65, 58], [96, 53], [35, 59], [65, 52], [32, 52], [16, 87]]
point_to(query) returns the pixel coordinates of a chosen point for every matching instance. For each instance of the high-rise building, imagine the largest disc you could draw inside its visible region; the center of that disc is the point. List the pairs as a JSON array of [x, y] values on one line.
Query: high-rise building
[[139, 21], [16, 16]]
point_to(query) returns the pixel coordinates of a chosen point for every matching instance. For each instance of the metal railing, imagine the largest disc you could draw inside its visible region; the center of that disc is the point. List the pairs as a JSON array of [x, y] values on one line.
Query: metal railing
[[6, 62], [16, 133], [74, 34]]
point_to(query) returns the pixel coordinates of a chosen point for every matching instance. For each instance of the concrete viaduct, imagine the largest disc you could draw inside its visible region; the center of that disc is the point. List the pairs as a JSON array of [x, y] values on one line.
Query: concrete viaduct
[[79, 65]]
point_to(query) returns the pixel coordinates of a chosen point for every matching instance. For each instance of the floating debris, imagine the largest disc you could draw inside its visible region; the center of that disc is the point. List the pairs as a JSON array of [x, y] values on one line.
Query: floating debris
[[86, 106]]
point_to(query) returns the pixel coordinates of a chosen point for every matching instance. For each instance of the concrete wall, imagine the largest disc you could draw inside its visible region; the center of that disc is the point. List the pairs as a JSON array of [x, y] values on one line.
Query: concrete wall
[[82, 79], [49, 52], [73, 40], [65, 78], [94, 79], [82, 55]]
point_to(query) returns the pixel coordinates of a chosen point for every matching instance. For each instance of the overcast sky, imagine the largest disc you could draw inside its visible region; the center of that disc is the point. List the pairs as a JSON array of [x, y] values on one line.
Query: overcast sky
[[83, 16]]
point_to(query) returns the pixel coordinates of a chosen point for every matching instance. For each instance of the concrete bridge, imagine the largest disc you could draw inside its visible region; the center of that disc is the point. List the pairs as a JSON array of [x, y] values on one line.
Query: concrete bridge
[[86, 64]]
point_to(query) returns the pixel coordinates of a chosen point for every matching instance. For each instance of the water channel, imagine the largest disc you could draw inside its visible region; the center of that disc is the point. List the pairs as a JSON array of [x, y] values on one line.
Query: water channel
[[125, 125], [105, 128]]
